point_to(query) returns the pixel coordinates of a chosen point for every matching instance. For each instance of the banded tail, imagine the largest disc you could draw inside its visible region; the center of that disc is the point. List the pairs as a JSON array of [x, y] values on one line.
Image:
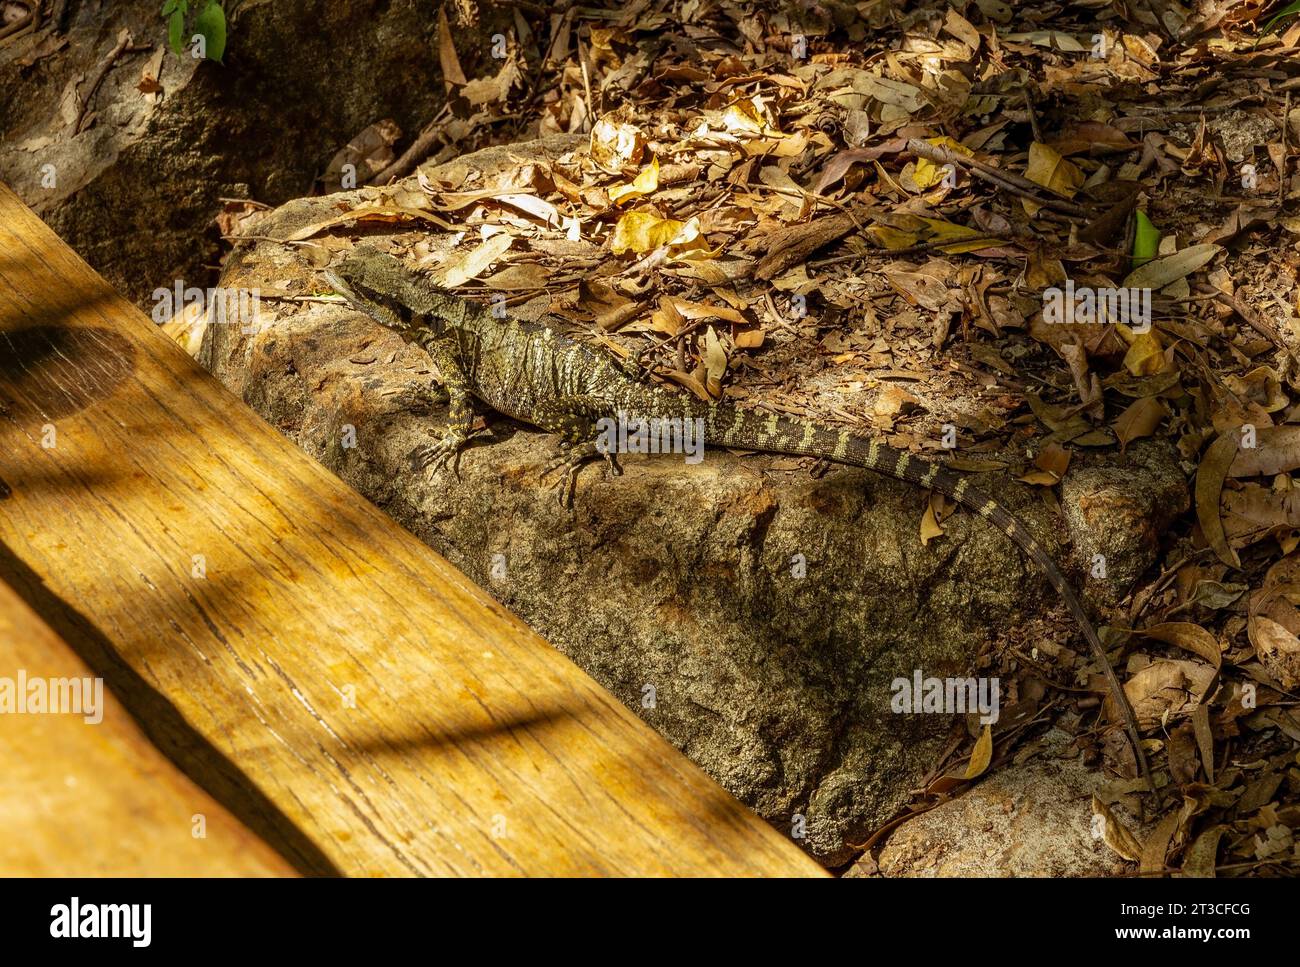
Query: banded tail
[[747, 430]]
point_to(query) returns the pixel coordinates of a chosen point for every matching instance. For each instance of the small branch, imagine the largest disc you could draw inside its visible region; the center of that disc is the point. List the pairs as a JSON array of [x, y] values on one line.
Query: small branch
[[124, 45], [1006, 180], [938, 243], [412, 156]]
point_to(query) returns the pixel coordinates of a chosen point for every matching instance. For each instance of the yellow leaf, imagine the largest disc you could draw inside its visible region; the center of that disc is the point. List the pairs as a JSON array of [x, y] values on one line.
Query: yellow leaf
[[904, 230], [645, 183], [930, 526], [1145, 356], [643, 231], [746, 118], [927, 174], [982, 755], [1049, 169], [689, 243]]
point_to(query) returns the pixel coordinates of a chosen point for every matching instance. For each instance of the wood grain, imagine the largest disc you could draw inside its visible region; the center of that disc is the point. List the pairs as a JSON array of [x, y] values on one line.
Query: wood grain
[[80, 797], [342, 688]]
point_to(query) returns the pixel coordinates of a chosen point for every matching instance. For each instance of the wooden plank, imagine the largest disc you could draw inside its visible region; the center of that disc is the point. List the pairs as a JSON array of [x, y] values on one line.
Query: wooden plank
[[87, 794], [385, 710]]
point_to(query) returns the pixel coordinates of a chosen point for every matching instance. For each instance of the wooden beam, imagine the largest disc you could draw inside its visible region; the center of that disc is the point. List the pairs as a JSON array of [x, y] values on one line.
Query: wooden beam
[[83, 792], [350, 695]]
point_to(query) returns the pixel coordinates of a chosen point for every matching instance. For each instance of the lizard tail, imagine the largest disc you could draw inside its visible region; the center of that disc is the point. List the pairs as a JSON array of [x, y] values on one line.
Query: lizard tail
[[747, 430]]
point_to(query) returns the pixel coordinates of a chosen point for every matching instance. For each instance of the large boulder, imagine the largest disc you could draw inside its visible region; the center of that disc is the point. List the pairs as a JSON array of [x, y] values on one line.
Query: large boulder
[[755, 614]]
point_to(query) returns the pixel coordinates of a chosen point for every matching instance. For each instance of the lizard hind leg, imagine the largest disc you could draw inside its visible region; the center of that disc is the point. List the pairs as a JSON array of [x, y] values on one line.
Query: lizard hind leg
[[575, 420]]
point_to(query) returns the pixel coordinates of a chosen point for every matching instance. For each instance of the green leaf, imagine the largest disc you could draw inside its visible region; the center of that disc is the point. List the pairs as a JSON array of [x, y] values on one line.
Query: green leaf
[[176, 32], [211, 24], [1146, 240], [1288, 10], [171, 6]]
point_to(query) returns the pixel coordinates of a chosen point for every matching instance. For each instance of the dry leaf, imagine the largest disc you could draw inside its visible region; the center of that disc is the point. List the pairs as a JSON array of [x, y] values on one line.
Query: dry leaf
[[645, 183], [1278, 650], [471, 265], [616, 145], [1139, 419], [1049, 169], [715, 363], [447, 59], [982, 754], [1158, 273], [1210, 475], [1115, 834], [1200, 859]]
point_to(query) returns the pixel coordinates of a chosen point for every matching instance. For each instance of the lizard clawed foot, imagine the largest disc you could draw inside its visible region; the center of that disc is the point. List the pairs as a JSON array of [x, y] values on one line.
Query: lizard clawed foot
[[571, 461], [445, 452]]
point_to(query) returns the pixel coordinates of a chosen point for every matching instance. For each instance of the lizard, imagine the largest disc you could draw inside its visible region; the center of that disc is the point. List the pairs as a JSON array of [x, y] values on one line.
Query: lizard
[[531, 372]]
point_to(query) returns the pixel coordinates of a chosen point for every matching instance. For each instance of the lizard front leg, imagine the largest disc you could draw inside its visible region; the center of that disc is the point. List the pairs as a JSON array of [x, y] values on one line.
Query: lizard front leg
[[574, 419], [460, 416]]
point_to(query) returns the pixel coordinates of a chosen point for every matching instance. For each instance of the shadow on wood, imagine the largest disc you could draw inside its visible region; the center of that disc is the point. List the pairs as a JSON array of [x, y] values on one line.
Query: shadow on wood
[[381, 714]]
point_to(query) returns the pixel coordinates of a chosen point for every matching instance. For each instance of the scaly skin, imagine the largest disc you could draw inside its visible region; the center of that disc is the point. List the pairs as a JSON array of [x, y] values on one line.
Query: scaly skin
[[536, 375]]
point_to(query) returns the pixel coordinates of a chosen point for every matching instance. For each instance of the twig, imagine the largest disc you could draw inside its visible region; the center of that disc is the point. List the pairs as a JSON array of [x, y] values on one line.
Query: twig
[[1252, 318], [412, 156], [1006, 180], [586, 86], [1033, 116], [123, 46], [930, 246], [1281, 175]]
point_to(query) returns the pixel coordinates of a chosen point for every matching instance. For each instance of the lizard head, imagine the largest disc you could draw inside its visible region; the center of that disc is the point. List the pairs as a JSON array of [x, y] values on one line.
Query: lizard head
[[380, 285]]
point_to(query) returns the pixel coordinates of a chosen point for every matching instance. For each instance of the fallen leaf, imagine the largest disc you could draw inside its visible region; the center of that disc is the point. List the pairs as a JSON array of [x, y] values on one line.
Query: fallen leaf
[[1276, 450], [1211, 473], [645, 183], [462, 268], [1115, 834], [715, 363], [1278, 650], [1158, 273], [1049, 169], [643, 231], [616, 145], [1201, 855], [981, 755], [1139, 419], [447, 59]]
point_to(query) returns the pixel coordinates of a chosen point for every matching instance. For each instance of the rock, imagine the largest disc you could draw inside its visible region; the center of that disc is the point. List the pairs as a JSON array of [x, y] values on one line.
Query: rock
[[1030, 819], [136, 193], [1117, 510], [755, 615]]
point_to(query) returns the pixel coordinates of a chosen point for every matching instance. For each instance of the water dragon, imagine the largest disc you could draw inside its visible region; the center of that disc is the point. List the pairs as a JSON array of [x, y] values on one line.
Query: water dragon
[[531, 372]]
